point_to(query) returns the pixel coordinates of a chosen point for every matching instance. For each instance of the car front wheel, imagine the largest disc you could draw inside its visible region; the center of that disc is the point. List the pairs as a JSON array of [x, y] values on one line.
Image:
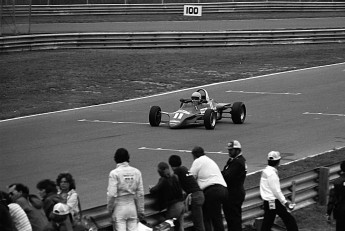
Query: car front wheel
[[155, 116], [210, 118]]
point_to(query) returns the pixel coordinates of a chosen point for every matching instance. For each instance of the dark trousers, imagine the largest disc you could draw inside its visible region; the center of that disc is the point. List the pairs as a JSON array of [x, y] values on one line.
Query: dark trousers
[[233, 211], [176, 210], [340, 222], [281, 211], [215, 197], [197, 202]]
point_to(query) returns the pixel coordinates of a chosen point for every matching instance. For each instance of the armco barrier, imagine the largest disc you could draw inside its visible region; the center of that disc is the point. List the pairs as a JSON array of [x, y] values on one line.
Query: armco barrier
[[303, 189], [168, 39], [172, 8]]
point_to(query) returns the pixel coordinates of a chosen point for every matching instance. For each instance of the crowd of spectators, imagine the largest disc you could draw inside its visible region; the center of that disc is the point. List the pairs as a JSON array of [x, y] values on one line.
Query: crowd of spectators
[[204, 189], [55, 208]]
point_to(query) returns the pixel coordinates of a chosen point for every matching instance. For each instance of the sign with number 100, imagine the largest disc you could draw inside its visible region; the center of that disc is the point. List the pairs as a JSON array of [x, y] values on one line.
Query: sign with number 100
[[190, 10]]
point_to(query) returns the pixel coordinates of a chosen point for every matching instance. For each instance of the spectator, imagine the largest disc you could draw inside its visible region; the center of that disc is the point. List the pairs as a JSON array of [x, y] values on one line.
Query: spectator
[[19, 218], [336, 202], [48, 192], [6, 223], [66, 190], [211, 181], [59, 218], [234, 174], [169, 194], [31, 204], [191, 187], [125, 196], [274, 200]]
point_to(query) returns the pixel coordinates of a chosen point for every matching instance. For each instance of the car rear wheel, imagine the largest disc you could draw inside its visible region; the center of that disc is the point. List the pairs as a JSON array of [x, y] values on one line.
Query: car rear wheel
[[210, 118], [155, 116], [238, 113]]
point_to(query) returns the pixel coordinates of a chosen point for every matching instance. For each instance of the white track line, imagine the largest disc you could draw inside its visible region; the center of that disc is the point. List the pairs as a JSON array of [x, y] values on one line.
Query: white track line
[[307, 157], [177, 150], [264, 93], [112, 122], [323, 114], [223, 153]]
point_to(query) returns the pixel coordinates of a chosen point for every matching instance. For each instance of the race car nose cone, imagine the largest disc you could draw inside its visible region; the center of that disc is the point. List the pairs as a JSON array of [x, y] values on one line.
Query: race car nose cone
[[174, 123]]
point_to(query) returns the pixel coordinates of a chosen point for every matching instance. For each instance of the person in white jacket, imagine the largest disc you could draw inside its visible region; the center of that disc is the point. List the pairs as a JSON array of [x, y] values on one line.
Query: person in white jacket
[[125, 194], [275, 202]]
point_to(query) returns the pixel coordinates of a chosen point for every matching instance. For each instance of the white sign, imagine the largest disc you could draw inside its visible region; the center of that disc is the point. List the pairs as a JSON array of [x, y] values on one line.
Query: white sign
[[190, 10]]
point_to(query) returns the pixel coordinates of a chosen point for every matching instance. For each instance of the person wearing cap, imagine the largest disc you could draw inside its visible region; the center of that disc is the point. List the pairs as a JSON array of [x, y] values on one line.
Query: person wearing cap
[[191, 187], [59, 219], [211, 181], [125, 193], [234, 174], [336, 202], [275, 202]]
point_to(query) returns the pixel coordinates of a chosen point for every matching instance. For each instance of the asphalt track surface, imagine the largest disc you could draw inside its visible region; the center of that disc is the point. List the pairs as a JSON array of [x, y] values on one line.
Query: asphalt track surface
[[204, 25], [298, 113]]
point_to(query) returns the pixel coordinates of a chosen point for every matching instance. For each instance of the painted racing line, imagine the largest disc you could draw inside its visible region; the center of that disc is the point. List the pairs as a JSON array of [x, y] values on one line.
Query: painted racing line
[[264, 93], [112, 122], [323, 114], [178, 150]]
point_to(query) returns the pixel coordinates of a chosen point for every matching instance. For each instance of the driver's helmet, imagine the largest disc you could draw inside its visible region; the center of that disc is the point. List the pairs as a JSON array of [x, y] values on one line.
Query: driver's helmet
[[196, 97]]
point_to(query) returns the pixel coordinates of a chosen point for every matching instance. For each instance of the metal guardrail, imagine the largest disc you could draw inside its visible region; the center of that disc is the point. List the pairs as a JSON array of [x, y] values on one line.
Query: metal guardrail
[[175, 8], [302, 187], [168, 39]]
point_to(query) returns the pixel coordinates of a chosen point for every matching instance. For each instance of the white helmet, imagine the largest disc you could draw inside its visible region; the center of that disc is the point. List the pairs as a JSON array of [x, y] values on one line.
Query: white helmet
[[196, 96]]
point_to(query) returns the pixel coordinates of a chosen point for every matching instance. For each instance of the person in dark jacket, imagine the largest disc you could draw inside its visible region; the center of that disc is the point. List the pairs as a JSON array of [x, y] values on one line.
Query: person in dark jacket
[[48, 192], [234, 174], [59, 219], [169, 194], [31, 204], [336, 202], [191, 187], [6, 223]]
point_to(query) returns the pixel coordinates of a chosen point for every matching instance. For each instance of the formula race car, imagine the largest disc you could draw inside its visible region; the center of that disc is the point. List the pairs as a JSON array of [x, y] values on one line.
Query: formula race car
[[199, 110]]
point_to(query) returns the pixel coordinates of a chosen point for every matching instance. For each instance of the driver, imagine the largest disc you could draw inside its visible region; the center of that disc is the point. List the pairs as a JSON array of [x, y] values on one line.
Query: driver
[[196, 98]]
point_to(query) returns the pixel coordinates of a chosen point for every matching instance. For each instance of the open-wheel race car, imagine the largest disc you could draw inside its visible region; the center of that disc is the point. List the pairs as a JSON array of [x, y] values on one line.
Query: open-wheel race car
[[199, 110]]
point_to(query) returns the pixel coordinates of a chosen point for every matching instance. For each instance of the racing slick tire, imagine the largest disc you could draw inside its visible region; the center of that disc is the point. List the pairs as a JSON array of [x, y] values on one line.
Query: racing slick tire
[[238, 113], [155, 116], [210, 118]]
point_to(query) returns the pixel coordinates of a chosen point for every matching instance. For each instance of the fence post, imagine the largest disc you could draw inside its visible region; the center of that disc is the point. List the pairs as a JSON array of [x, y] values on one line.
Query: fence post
[[323, 185], [258, 223], [293, 192]]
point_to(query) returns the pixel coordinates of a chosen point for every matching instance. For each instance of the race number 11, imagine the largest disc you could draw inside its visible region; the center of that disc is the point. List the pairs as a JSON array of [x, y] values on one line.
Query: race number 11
[[190, 10]]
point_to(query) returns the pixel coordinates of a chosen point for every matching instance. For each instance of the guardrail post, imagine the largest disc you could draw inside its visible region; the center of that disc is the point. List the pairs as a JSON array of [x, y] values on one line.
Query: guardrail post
[[293, 192], [258, 223], [323, 185]]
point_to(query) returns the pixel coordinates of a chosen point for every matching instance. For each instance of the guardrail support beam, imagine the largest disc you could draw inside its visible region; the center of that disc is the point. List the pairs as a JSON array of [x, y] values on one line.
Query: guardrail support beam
[[323, 185], [258, 223]]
